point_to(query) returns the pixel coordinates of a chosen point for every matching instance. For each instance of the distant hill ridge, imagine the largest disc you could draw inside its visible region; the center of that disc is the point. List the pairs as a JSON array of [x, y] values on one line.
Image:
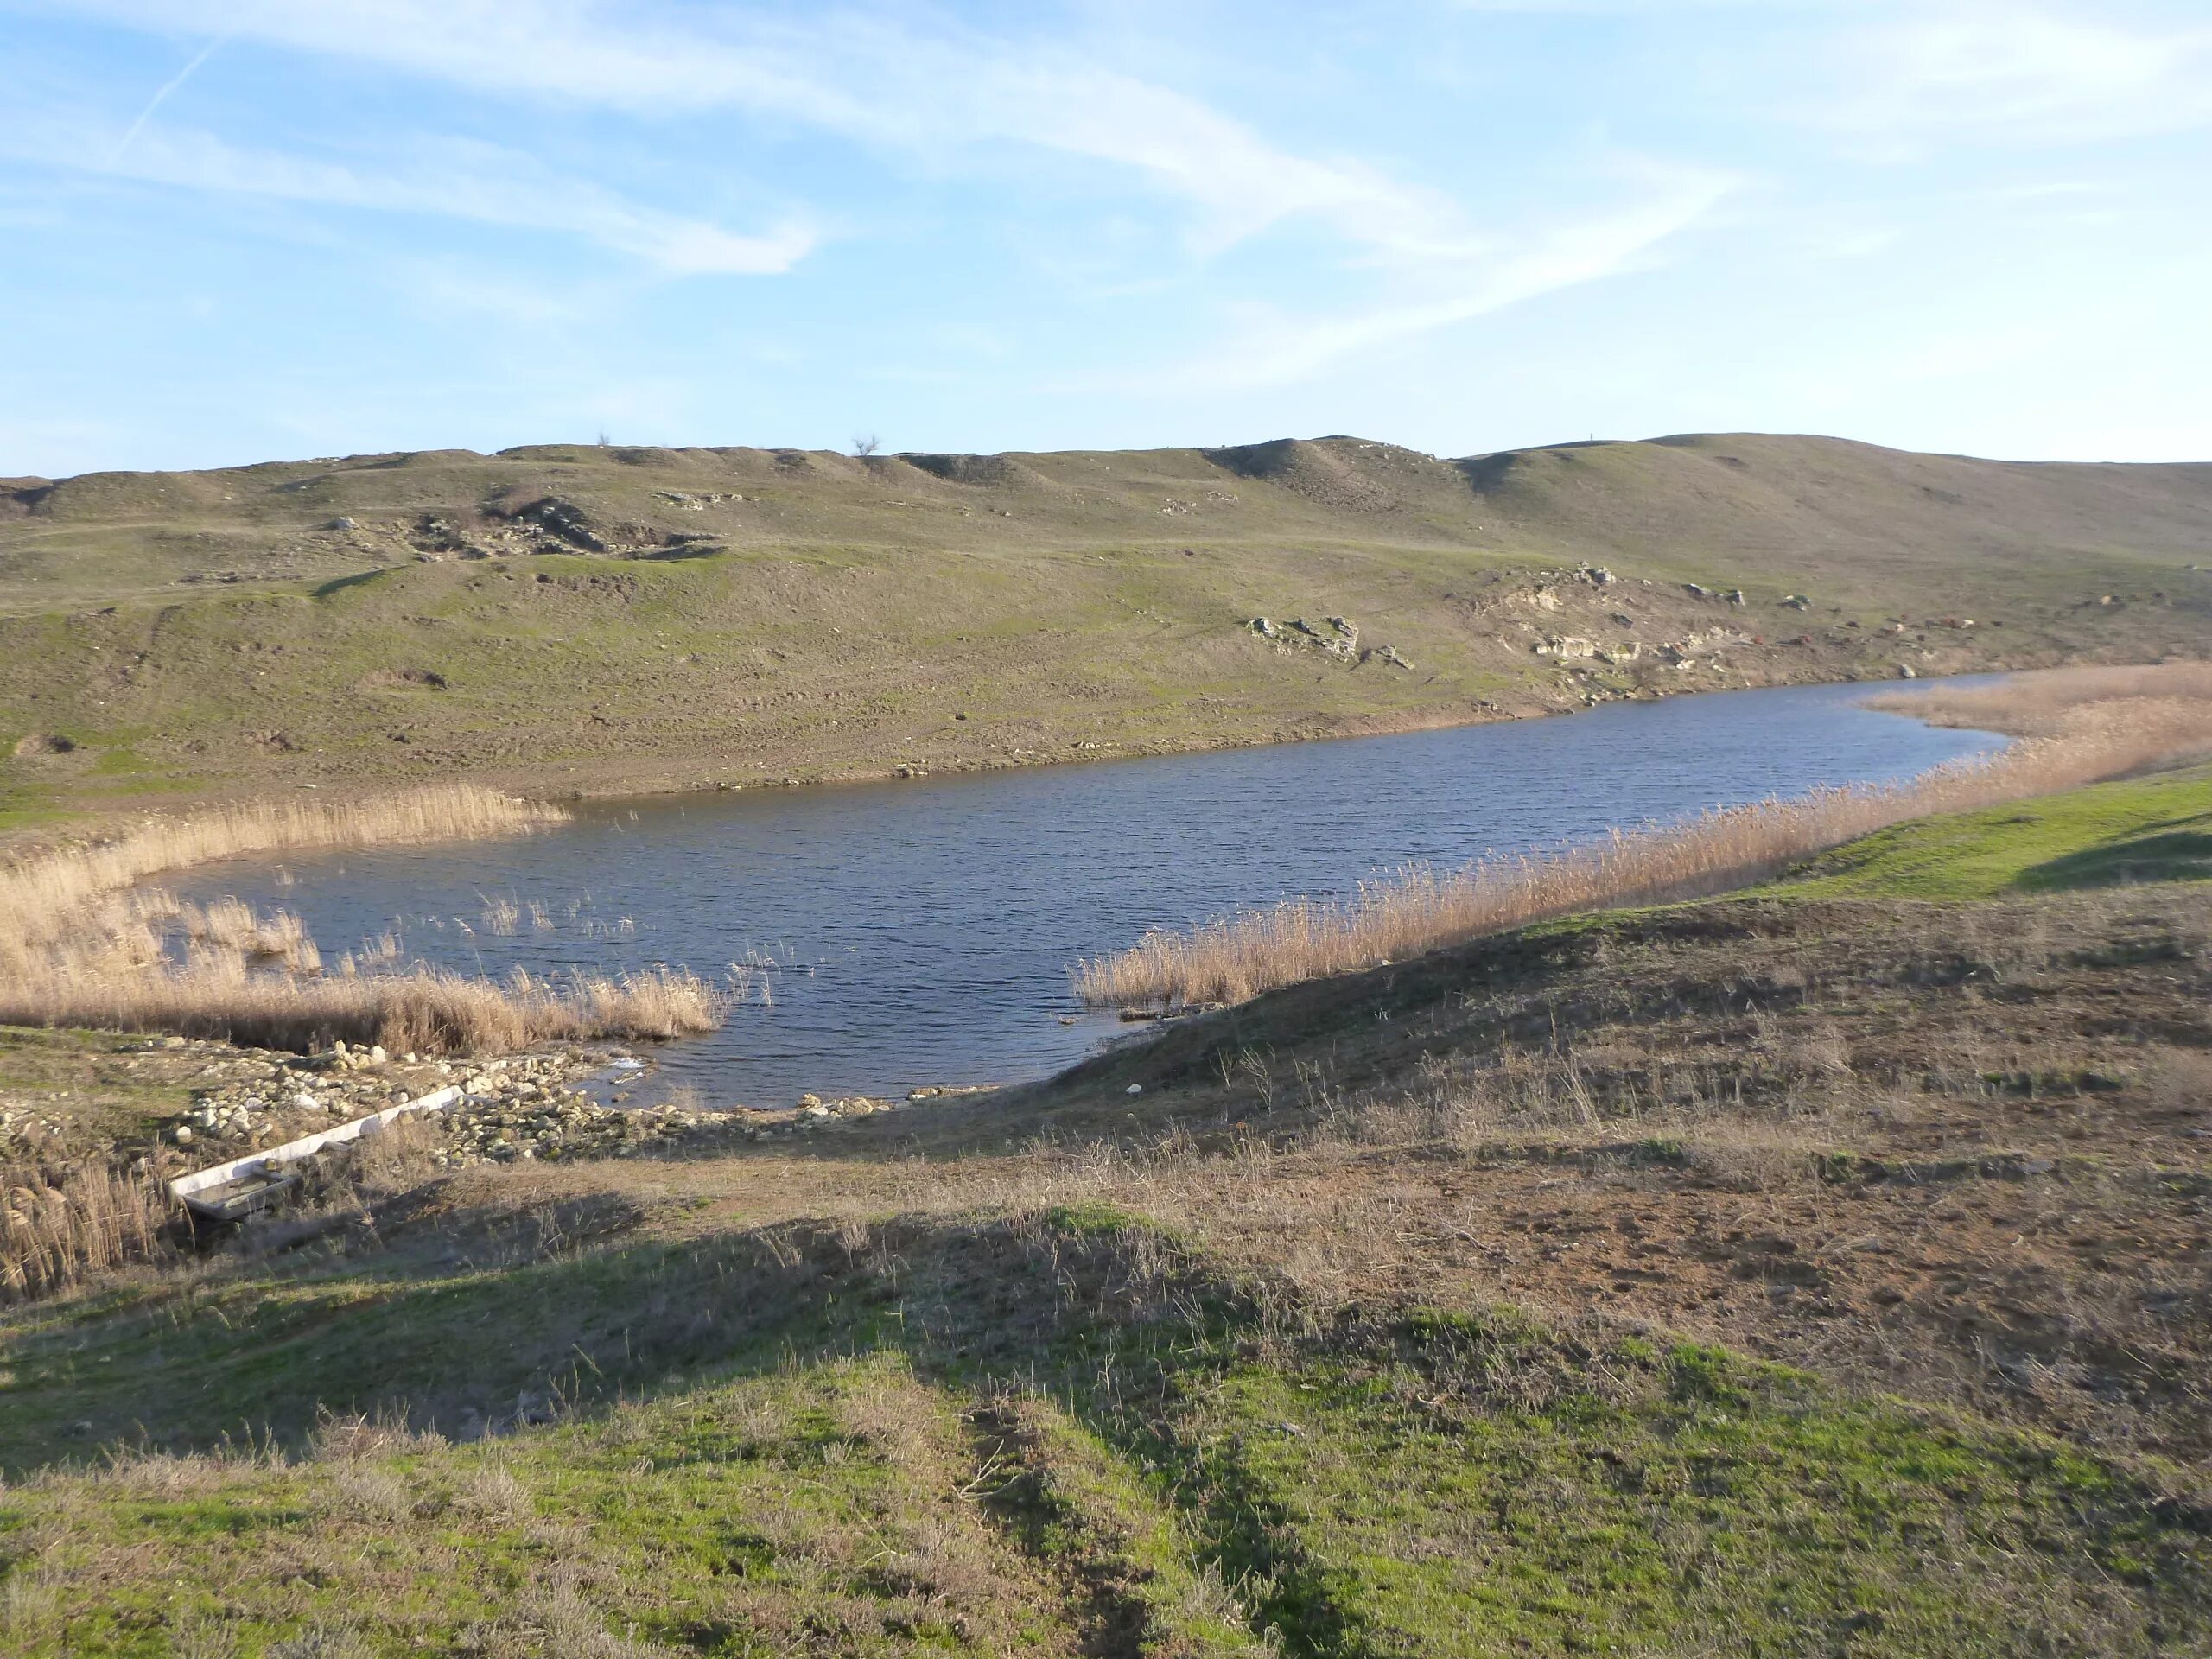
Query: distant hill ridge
[[1724, 493], [629, 614]]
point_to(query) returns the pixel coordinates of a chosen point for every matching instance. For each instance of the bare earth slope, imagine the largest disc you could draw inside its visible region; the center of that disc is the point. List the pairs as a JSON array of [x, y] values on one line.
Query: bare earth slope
[[595, 617]]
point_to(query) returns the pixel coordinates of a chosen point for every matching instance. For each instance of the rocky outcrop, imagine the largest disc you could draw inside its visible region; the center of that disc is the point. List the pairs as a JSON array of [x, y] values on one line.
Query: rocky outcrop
[[563, 519]]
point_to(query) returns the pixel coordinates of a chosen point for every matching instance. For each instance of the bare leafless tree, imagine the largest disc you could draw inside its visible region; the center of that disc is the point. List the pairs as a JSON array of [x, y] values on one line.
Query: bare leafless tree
[[867, 446]]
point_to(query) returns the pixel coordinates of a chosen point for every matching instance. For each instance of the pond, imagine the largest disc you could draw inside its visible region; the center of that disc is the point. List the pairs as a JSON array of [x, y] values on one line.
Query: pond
[[900, 934]]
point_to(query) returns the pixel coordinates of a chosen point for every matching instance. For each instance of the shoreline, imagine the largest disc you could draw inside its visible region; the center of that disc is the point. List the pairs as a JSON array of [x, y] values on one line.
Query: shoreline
[[1353, 729], [92, 827], [1350, 728]]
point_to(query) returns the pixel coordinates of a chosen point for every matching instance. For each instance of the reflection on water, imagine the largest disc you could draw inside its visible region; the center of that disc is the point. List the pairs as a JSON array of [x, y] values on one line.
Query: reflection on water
[[882, 936]]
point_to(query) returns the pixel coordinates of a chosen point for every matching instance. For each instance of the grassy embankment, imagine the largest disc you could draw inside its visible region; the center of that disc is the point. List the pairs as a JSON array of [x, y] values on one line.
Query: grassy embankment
[[2143, 829], [1793, 1272], [2076, 726], [762, 615]]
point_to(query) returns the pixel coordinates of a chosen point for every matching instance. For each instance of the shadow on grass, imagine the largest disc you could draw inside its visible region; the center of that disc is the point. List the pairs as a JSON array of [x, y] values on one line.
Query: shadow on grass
[[2176, 855], [339, 584], [1355, 1476], [1107, 1318]]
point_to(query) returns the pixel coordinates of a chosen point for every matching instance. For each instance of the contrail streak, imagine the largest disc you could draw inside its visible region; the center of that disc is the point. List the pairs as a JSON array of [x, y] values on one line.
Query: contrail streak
[[154, 102]]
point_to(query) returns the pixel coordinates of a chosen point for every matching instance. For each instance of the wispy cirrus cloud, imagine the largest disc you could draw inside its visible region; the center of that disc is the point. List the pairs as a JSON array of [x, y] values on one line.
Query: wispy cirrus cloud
[[449, 178], [1275, 348], [931, 88], [936, 92], [927, 86], [2024, 73]]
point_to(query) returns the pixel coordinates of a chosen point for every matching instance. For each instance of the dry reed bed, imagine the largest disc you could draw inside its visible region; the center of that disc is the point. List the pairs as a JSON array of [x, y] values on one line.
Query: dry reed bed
[[2080, 727], [59, 1227], [82, 945], [426, 1010], [2040, 704], [40, 896]]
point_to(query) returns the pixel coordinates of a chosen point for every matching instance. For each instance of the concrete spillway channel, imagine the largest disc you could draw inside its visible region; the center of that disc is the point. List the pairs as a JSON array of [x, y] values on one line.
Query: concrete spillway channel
[[233, 1190]]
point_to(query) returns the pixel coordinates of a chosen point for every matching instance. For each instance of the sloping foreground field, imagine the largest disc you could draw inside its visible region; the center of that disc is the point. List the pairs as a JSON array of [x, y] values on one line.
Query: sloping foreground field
[[1797, 1272], [565, 618], [1062, 1435]]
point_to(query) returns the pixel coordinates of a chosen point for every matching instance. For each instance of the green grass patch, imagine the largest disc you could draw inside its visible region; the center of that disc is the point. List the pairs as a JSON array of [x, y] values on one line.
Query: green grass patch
[[1021, 1436], [2157, 829]]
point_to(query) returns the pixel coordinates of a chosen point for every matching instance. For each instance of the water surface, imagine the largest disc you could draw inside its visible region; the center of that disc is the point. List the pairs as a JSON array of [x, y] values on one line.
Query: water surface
[[919, 932]]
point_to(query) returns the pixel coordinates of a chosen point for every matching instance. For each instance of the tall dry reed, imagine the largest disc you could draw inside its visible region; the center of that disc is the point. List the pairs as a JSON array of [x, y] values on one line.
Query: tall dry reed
[[426, 1010], [40, 896], [2084, 726], [59, 1226], [2041, 704], [80, 943]]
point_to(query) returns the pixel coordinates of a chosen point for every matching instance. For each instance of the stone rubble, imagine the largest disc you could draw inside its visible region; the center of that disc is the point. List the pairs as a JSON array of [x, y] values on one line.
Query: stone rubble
[[522, 1107]]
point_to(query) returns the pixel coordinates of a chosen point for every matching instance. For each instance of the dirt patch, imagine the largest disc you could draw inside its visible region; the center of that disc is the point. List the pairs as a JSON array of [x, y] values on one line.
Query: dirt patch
[[972, 469], [395, 679], [389, 679]]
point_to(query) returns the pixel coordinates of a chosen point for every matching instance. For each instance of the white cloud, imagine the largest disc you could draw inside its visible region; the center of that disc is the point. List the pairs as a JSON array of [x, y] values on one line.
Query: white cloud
[[1275, 348], [925, 88], [872, 80], [933, 91], [2009, 71], [453, 179]]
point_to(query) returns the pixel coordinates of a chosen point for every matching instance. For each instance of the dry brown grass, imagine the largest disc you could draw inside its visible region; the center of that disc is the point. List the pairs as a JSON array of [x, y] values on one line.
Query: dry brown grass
[[428, 1010], [81, 945], [59, 1227], [2079, 727], [40, 896], [2042, 704]]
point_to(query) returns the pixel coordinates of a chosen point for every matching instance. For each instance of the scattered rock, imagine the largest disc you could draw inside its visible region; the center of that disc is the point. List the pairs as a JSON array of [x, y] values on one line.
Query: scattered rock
[[44, 743], [1339, 642], [564, 520]]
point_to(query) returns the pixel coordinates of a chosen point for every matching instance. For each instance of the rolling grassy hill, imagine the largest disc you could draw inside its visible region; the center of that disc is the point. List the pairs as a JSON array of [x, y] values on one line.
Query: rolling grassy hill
[[591, 619]]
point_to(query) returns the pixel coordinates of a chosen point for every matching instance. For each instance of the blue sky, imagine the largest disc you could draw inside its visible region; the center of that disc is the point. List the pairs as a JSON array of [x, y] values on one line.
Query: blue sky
[[238, 230]]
